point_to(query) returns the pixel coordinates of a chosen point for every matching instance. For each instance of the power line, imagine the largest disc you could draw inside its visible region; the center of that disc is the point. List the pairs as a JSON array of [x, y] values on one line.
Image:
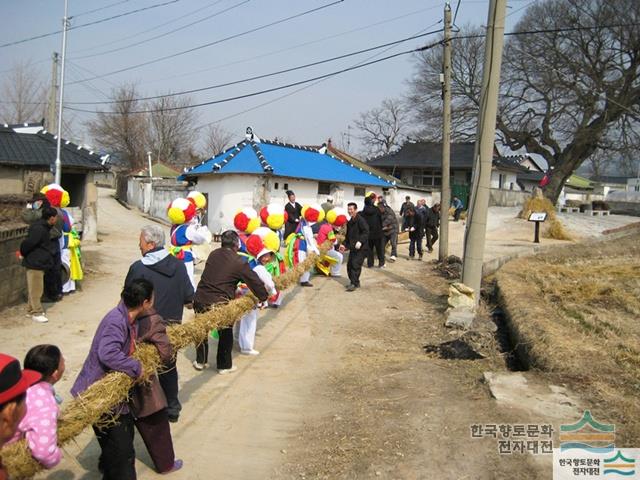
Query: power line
[[155, 27], [272, 89], [281, 97], [199, 47], [135, 44], [293, 47], [95, 22], [99, 9], [266, 75]]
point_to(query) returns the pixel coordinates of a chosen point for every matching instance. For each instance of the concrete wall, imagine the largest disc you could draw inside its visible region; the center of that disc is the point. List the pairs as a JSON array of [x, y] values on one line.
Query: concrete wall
[[151, 196], [11, 180], [507, 198], [13, 288], [105, 179], [509, 180], [229, 193], [627, 203]]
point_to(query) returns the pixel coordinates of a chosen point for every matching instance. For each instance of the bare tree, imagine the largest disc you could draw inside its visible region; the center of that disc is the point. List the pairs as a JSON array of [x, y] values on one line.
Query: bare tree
[[598, 163], [425, 90], [384, 127], [172, 132], [125, 132], [564, 92], [567, 92], [216, 140], [23, 94]]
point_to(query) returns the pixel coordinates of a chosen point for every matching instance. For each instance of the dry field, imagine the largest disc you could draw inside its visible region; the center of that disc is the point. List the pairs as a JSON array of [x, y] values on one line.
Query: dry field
[[575, 313]]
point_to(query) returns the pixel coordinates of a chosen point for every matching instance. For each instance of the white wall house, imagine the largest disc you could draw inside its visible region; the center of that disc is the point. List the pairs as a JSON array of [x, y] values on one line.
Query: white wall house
[[256, 172]]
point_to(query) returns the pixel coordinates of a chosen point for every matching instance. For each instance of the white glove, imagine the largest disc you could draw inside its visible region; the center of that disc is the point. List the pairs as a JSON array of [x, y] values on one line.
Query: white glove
[[412, 229], [358, 245]]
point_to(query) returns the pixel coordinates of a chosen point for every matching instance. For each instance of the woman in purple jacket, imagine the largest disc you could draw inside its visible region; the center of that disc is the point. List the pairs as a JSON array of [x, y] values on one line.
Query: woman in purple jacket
[[111, 349]]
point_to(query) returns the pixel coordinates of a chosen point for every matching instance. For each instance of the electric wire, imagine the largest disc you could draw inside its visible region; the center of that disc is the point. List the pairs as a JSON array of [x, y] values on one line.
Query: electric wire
[[150, 39], [95, 22], [215, 42], [266, 75], [272, 89]]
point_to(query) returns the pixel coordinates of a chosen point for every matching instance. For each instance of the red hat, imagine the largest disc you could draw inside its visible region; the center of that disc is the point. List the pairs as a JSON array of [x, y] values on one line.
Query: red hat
[[13, 380]]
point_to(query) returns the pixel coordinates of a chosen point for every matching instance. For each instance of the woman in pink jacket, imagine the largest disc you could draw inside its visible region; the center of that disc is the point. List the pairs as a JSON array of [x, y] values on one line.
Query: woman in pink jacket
[[39, 426]]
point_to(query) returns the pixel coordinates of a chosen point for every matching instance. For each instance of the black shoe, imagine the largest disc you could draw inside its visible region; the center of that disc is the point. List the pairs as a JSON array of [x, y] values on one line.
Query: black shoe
[[174, 418], [306, 284]]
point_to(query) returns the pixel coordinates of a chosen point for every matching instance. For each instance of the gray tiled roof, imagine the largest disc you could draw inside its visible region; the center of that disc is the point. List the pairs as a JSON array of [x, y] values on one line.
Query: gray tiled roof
[[39, 149], [426, 154]]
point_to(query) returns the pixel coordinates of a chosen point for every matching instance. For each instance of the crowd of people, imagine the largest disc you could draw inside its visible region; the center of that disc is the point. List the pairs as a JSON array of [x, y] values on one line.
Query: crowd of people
[[51, 251], [158, 287]]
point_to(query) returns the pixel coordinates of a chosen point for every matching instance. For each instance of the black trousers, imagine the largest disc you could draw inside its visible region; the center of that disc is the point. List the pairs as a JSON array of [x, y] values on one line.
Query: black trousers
[[169, 382], [354, 266], [202, 350], [53, 278], [117, 460], [376, 244], [225, 344], [432, 236], [156, 435]]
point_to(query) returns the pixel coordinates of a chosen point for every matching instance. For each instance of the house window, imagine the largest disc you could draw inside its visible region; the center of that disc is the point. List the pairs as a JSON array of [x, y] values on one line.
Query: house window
[[286, 186], [324, 188], [358, 191], [426, 177], [275, 186], [501, 178]]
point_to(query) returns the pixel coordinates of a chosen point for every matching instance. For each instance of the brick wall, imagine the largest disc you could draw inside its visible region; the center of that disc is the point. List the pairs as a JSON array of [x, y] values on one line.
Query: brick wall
[[13, 283]]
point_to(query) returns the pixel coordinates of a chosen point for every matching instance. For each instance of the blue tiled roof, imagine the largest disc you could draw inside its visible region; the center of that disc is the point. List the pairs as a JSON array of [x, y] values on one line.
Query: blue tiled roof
[[284, 160]]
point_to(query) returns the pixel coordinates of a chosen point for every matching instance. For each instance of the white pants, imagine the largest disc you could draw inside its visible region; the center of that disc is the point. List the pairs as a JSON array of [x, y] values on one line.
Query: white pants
[[335, 268], [302, 256], [247, 330], [65, 257], [189, 266]]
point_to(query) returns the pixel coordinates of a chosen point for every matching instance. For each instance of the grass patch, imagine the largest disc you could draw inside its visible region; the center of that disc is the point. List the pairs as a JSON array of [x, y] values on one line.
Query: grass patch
[[577, 309]]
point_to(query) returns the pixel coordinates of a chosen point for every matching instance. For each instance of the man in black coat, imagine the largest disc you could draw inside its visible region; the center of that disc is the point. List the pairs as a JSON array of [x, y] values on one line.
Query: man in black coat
[[37, 253], [294, 210], [373, 216], [431, 225], [172, 291], [222, 272], [356, 242]]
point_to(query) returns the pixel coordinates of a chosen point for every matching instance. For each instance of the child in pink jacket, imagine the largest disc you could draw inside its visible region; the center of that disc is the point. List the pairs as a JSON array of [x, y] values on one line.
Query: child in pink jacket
[[40, 424]]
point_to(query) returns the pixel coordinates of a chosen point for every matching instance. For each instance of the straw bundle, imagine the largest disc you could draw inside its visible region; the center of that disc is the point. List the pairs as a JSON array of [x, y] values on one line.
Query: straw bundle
[[95, 405], [538, 203]]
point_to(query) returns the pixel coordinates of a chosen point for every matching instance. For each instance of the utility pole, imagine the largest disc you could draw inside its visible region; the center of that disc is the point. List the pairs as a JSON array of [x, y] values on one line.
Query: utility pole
[[150, 167], [51, 113], [483, 155], [65, 27], [443, 248]]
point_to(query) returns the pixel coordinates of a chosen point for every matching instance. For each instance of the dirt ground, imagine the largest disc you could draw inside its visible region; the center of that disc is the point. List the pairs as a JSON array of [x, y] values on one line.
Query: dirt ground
[[574, 305], [342, 388]]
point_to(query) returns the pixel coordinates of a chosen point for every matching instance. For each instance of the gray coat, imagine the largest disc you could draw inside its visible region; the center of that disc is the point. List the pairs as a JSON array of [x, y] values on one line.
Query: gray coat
[[389, 221]]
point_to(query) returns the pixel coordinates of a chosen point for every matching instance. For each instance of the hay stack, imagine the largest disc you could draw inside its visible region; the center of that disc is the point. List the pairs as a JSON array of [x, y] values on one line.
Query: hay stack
[[94, 406], [539, 203]]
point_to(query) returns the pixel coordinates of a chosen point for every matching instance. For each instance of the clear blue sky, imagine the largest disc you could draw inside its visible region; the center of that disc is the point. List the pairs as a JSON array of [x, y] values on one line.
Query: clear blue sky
[[309, 116]]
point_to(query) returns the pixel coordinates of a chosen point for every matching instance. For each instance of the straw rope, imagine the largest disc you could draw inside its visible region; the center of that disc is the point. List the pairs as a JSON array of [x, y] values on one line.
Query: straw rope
[[94, 406]]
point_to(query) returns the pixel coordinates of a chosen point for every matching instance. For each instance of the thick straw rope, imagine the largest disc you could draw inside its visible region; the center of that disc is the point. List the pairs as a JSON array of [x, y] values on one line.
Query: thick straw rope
[[97, 402]]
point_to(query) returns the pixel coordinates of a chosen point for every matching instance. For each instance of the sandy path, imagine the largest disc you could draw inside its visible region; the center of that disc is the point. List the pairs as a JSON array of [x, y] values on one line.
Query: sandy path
[[234, 425], [342, 387]]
